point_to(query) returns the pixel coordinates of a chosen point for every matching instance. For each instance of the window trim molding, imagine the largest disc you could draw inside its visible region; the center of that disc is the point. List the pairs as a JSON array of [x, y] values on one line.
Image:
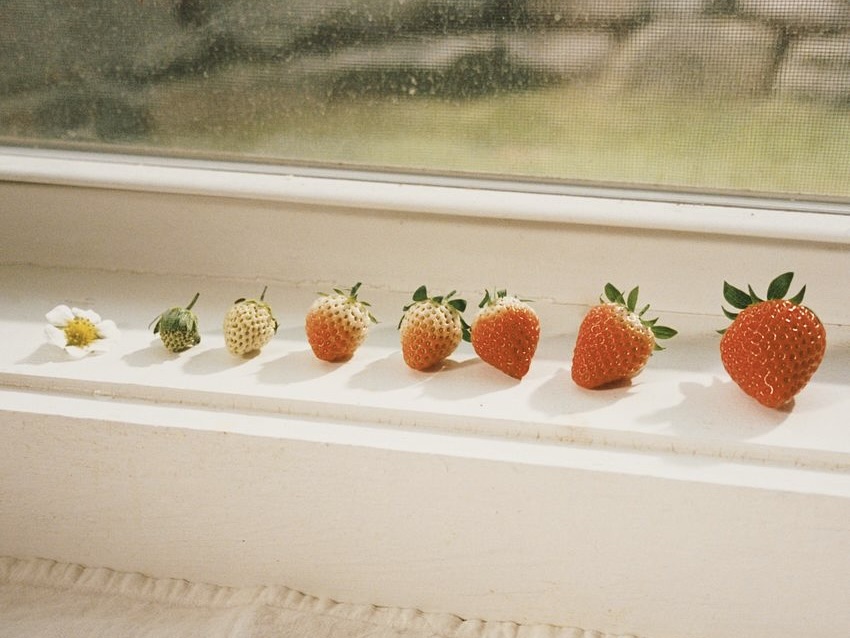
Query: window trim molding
[[606, 207]]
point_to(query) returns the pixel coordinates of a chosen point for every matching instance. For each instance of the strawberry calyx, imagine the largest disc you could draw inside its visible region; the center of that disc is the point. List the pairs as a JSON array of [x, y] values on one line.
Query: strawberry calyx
[[489, 300], [457, 305], [261, 303], [776, 290], [177, 318], [351, 297], [612, 295]]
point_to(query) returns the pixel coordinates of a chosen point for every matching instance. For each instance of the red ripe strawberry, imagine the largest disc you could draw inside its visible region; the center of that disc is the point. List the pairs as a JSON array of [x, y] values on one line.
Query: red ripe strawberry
[[774, 346], [505, 333], [336, 324], [614, 341], [431, 329]]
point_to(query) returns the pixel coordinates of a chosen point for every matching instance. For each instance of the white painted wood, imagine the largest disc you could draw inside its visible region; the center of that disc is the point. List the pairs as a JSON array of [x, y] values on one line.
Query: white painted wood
[[397, 251], [435, 528], [682, 402], [756, 217], [672, 508]]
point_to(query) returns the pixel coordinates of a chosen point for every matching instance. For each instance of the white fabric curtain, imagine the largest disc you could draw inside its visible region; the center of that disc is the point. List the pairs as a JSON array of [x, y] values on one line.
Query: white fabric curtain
[[45, 599]]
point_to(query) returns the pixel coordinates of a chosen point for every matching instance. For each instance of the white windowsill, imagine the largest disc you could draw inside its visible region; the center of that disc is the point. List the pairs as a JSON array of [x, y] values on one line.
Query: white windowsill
[[130, 239], [683, 404]]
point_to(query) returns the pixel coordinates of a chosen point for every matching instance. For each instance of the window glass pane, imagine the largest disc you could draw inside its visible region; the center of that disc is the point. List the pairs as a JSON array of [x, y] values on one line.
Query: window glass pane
[[730, 95]]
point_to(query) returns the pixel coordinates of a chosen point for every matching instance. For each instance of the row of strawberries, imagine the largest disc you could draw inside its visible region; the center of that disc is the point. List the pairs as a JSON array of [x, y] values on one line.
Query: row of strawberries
[[771, 349]]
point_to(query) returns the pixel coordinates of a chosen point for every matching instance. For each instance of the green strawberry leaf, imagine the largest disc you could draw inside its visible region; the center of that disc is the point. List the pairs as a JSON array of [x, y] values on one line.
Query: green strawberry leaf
[[466, 333], [421, 294], [754, 296], [486, 299], [613, 295], [664, 332], [736, 297], [798, 298], [778, 288], [631, 302], [457, 304]]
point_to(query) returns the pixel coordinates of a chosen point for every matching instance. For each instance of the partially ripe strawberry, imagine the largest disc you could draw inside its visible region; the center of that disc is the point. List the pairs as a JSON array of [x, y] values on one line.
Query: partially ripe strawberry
[[773, 346], [249, 325], [614, 341], [431, 328], [337, 324], [505, 333]]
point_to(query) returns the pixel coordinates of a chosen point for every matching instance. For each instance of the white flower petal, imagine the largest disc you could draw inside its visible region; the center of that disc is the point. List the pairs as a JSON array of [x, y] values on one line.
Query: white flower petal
[[107, 329], [75, 352], [91, 315], [55, 336], [59, 316]]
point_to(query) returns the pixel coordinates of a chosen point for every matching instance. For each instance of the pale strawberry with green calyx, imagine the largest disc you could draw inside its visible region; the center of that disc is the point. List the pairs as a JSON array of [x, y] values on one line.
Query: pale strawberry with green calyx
[[774, 345], [505, 333], [178, 327], [249, 325], [337, 323], [615, 341], [431, 329]]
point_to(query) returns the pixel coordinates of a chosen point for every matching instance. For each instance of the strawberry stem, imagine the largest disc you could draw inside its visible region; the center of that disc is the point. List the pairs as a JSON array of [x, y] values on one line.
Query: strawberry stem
[[194, 299]]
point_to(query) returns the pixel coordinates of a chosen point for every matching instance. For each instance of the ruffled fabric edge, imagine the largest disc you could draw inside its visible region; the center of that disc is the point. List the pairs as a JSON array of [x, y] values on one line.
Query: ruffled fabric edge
[[101, 581]]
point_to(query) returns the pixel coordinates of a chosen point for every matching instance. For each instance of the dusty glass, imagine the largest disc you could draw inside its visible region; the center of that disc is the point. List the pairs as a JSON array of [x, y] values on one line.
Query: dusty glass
[[712, 95]]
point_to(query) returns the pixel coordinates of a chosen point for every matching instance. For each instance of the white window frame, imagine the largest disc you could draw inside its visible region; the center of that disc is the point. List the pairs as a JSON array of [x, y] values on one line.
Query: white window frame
[[547, 483], [752, 216]]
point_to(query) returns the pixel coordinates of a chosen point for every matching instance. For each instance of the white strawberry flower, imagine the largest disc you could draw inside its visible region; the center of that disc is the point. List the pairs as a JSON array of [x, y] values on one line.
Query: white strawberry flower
[[79, 332]]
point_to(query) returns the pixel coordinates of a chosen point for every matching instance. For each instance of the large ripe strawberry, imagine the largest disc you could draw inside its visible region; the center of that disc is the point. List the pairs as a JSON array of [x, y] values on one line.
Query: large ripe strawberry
[[431, 328], [614, 341], [505, 333], [773, 346], [249, 325], [337, 324]]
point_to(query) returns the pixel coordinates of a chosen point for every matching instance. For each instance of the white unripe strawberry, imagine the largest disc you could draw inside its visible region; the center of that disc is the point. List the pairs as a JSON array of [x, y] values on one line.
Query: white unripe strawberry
[[249, 325]]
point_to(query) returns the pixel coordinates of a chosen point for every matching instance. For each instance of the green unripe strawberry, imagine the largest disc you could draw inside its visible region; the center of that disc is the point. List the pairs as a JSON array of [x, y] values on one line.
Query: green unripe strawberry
[[178, 327]]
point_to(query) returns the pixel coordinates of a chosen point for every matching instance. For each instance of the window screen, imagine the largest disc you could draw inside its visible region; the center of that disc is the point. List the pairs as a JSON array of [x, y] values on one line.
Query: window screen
[[715, 95]]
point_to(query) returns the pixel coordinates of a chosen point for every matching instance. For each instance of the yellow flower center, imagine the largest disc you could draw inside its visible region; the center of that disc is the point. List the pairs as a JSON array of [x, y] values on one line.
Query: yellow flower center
[[80, 332]]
